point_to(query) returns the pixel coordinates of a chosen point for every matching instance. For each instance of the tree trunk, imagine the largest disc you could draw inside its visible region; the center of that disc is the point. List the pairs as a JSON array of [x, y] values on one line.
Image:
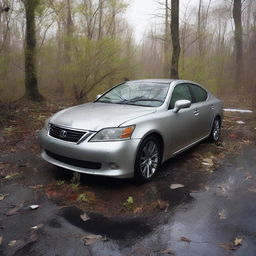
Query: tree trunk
[[166, 40], [69, 33], [199, 29], [237, 12], [100, 18], [175, 39], [32, 92]]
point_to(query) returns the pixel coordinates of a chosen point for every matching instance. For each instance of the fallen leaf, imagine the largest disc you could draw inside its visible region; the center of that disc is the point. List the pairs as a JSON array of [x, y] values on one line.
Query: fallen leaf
[[11, 176], [252, 190], [8, 129], [12, 243], [168, 251], [137, 210], [2, 196], [84, 217], [238, 241], [162, 205], [34, 206], [91, 239], [175, 186], [83, 198], [228, 246], [184, 239], [248, 177], [14, 210], [37, 227], [36, 186], [207, 162], [240, 122], [222, 215]]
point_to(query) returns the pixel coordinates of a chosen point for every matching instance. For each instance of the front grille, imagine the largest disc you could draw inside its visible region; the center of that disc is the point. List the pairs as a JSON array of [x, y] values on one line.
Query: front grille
[[74, 162], [65, 134]]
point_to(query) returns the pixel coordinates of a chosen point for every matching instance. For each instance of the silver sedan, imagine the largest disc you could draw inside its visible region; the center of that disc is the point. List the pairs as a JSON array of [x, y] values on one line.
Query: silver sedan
[[132, 128]]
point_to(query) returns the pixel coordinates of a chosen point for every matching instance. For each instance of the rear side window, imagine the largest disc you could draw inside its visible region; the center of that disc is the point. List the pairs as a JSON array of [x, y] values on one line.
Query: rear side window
[[180, 92], [198, 93]]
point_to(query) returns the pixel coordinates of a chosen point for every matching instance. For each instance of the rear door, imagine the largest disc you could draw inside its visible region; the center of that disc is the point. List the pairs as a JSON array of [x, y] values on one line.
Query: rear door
[[202, 110]]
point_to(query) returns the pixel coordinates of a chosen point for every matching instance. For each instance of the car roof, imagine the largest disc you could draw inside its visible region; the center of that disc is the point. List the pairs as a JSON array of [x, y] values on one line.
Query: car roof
[[162, 80]]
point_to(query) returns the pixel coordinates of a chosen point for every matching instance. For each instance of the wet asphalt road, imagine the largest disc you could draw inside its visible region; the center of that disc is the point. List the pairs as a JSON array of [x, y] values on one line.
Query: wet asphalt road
[[209, 219], [230, 191]]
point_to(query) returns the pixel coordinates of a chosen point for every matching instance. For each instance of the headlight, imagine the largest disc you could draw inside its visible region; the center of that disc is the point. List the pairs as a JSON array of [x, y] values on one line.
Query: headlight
[[47, 124], [111, 134]]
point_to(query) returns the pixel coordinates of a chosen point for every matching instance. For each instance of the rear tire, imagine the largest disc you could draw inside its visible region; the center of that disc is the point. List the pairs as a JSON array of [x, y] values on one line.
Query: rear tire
[[216, 129], [148, 159]]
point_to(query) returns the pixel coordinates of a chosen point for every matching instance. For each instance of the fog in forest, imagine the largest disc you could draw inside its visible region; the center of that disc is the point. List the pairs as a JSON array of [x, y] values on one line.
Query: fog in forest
[[75, 49]]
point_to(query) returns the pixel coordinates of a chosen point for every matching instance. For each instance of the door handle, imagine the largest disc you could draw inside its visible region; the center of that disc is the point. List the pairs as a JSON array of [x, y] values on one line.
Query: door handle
[[196, 112]]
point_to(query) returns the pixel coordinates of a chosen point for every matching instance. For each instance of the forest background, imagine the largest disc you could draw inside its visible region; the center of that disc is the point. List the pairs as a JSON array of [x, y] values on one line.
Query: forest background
[[75, 49]]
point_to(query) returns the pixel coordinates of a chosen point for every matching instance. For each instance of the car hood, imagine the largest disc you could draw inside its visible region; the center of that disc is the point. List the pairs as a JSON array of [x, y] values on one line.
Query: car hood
[[96, 116]]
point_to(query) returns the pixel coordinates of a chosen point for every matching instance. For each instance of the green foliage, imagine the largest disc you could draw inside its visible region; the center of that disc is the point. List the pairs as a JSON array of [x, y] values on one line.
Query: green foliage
[[74, 186], [128, 204], [60, 182], [83, 198], [93, 62]]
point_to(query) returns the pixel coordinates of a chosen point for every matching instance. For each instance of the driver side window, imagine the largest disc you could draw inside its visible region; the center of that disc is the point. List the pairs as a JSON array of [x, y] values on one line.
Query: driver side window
[[180, 92]]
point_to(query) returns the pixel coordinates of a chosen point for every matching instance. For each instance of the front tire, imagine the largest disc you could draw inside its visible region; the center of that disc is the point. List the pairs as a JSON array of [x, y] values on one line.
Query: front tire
[[215, 133], [148, 159]]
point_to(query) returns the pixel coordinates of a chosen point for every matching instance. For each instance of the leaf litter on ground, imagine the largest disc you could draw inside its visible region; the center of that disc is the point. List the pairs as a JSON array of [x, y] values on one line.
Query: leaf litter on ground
[[11, 176], [238, 241], [3, 196], [232, 246], [175, 186], [185, 239], [91, 239], [163, 205], [222, 214], [167, 251], [14, 210], [208, 162]]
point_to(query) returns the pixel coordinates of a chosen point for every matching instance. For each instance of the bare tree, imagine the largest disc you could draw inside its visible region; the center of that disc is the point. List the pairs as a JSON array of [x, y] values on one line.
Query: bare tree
[[32, 92], [237, 13], [175, 38]]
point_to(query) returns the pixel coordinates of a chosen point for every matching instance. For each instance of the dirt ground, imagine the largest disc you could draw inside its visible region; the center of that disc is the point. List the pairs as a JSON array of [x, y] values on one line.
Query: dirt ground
[[120, 217]]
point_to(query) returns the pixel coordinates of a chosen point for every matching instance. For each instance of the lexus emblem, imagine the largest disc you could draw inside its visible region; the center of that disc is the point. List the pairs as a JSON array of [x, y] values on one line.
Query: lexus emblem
[[63, 134]]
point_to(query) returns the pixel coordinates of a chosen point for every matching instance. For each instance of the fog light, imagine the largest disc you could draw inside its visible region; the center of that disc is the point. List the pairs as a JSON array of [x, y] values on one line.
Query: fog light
[[113, 166]]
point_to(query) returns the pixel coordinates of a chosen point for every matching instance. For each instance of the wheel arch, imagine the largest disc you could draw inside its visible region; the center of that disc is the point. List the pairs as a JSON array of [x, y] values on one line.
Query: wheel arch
[[158, 136]]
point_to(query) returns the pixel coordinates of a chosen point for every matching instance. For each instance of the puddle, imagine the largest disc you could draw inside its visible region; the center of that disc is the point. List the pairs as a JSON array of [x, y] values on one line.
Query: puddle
[[114, 228]]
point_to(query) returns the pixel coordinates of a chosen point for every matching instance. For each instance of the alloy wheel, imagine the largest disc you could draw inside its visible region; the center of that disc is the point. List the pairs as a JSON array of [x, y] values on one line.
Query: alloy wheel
[[149, 159], [216, 130]]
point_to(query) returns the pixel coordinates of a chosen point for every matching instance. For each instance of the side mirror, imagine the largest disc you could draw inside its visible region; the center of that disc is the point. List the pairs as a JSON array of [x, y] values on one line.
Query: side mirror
[[180, 104], [98, 96]]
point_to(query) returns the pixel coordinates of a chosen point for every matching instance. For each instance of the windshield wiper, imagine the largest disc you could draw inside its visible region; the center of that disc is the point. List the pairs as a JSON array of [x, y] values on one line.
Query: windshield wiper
[[139, 99]]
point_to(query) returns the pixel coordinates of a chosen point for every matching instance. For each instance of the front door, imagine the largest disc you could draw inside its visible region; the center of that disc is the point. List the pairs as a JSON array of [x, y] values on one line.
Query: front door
[[182, 125]]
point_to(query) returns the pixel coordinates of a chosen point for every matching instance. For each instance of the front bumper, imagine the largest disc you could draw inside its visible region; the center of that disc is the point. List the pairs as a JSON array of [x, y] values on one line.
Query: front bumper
[[116, 158]]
